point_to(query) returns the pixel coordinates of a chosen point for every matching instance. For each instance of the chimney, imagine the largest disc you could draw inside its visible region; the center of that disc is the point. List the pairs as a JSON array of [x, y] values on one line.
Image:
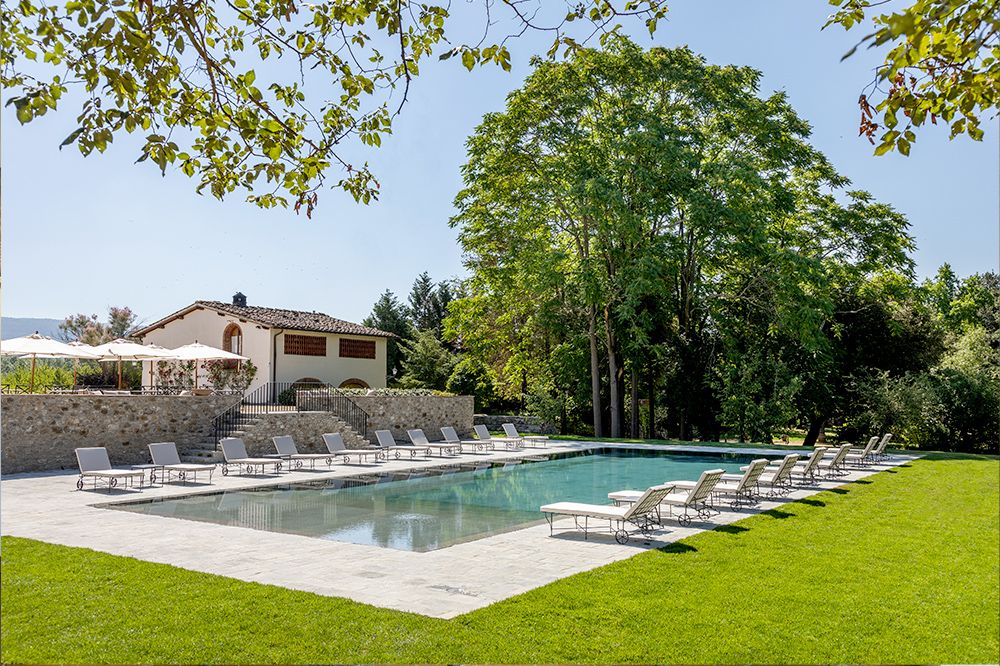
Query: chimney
[[239, 299]]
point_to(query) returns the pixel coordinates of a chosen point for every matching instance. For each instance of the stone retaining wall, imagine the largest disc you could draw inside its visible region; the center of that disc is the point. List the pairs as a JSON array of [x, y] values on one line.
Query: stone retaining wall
[[39, 432], [399, 413], [307, 428], [524, 424]]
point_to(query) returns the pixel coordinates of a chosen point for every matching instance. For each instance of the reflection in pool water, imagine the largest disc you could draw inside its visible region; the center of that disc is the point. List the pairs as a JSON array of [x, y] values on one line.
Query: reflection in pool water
[[428, 510]]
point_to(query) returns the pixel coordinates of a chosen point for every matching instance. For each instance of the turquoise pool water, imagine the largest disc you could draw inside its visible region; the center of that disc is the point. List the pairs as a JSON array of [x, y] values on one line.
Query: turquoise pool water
[[428, 512]]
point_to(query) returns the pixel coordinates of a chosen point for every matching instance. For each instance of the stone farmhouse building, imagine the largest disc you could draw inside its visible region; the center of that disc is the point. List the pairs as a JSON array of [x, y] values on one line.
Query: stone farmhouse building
[[285, 345]]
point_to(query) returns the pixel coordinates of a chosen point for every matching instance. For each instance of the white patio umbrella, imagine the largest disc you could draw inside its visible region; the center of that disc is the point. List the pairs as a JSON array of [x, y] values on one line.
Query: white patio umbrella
[[198, 352], [40, 346], [125, 350]]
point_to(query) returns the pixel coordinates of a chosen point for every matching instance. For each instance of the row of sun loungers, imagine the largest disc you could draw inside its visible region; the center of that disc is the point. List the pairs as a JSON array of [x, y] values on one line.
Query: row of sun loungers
[[642, 510], [95, 465]]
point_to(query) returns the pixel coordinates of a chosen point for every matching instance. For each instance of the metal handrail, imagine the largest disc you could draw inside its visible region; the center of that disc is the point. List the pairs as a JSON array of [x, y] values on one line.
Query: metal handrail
[[275, 397]]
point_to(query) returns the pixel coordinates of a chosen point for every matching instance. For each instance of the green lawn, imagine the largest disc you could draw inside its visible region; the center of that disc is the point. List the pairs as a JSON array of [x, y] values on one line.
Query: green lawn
[[900, 568]]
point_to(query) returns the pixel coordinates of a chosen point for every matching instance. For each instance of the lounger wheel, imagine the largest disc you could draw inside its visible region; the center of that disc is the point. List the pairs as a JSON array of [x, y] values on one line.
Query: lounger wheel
[[684, 520], [113, 482], [79, 483], [225, 470], [621, 536]]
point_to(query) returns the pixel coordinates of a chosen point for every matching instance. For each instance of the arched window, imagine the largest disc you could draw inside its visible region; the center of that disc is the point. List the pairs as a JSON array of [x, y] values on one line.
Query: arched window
[[354, 383], [232, 339]]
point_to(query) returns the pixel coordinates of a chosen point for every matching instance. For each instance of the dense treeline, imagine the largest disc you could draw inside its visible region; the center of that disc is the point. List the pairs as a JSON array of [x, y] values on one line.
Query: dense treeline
[[656, 250]]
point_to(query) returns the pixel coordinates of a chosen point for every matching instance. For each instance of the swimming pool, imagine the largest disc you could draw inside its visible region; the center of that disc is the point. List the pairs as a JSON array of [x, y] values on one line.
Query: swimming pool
[[427, 509]]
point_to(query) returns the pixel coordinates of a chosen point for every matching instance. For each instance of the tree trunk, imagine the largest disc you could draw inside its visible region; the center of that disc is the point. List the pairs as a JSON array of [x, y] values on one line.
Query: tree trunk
[[615, 397], [634, 405], [815, 430], [651, 390], [595, 375]]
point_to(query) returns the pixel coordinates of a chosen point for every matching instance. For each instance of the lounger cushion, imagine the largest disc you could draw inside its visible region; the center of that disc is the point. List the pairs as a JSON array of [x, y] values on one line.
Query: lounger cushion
[[590, 510]]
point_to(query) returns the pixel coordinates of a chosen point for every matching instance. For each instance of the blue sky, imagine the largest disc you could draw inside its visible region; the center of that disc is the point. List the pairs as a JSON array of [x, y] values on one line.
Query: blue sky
[[81, 234]]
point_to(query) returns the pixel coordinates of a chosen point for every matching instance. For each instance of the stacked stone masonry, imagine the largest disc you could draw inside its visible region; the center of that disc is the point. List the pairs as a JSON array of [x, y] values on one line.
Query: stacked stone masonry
[[399, 413], [524, 424], [306, 428], [39, 432]]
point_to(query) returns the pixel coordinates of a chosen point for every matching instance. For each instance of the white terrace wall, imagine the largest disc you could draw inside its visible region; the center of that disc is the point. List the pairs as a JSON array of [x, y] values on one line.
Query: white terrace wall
[[39, 432], [399, 413]]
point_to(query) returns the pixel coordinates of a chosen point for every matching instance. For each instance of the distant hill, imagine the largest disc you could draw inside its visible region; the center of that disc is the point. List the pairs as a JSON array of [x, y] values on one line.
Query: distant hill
[[15, 327]]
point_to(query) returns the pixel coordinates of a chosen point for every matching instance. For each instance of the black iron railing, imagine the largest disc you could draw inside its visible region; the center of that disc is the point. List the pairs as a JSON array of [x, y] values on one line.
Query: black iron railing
[[275, 397]]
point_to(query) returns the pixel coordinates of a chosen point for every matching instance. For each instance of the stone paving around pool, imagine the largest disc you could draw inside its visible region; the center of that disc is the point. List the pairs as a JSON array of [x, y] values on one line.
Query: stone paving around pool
[[440, 583]]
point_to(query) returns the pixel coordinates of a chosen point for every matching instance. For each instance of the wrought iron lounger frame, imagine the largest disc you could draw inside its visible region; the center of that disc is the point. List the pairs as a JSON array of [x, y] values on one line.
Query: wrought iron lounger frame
[[387, 443], [335, 447], [233, 447], [639, 514], [165, 458], [285, 448], [419, 440], [477, 445], [94, 463], [512, 433]]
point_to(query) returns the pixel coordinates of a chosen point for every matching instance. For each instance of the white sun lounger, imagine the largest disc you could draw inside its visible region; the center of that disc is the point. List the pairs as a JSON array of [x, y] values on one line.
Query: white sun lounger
[[643, 514], [834, 465], [285, 448], [862, 457], [743, 490], [387, 444], [879, 452], [780, 479], [696, 497], [509, 443], [95, 464], [451, 437], [166, 459], [235, 453], [419, 440], [337, 449], [512, 432], [808, 469]]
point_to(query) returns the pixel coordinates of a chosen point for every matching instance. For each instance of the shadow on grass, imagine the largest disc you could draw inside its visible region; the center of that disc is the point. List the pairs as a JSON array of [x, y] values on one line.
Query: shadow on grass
[[731, 529], [775, 513], [812, 502], [678, 548], [864, 482], [839, 491]]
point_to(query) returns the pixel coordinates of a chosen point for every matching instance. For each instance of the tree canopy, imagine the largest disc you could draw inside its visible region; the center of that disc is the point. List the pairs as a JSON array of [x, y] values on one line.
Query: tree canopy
[[649, 220]]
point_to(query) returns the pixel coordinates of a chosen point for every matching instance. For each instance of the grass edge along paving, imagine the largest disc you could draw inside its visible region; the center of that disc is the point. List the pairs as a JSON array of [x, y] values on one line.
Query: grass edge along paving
[[901, 567]]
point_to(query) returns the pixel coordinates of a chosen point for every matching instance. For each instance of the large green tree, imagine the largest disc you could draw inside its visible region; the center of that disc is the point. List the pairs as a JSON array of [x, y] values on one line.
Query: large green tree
[[265, 97], [658, 211], [391, 316]]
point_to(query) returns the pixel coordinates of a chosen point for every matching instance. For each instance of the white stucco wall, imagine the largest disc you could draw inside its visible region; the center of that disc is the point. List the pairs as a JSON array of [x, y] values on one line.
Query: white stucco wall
[[207, 326], [331, 368]]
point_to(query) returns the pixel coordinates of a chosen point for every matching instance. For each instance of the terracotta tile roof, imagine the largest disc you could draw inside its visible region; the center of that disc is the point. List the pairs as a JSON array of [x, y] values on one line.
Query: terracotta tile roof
[[294, 319]]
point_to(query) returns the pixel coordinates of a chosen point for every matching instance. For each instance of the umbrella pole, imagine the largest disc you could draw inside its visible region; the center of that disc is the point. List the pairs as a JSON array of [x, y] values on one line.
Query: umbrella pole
[[75, 362], [196, 373], [119, 374], [32, 386]]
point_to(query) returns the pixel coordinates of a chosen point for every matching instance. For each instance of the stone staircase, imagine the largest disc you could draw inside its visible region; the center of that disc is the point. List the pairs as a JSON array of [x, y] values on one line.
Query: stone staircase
[[258, 431]]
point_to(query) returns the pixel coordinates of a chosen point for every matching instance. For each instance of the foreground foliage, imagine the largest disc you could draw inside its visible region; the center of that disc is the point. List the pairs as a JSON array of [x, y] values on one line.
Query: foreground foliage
[[333, 75], [887, 571], [943, 62]]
